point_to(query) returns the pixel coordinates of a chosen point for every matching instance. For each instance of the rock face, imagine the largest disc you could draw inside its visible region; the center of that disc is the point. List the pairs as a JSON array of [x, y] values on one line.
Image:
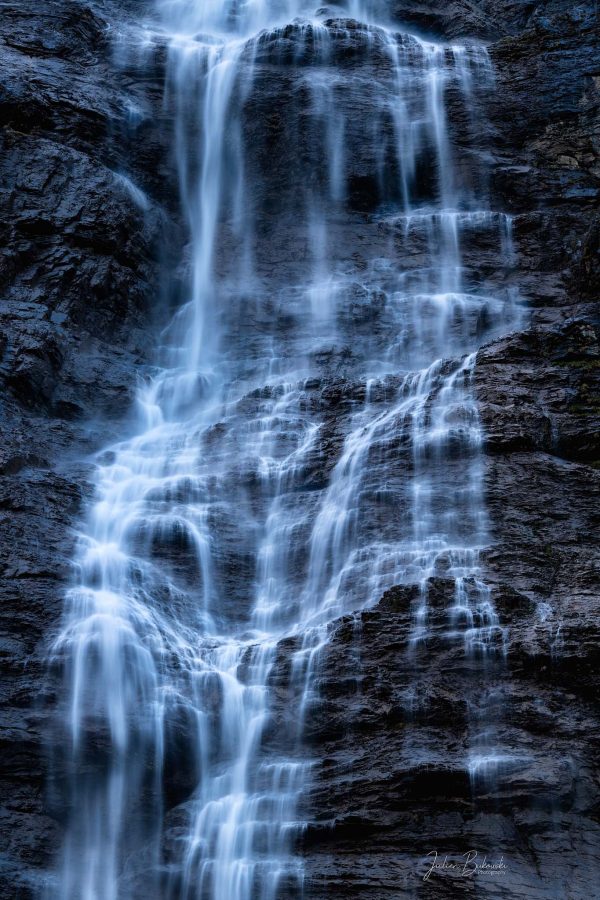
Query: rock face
[[86, 188], [78, 269]]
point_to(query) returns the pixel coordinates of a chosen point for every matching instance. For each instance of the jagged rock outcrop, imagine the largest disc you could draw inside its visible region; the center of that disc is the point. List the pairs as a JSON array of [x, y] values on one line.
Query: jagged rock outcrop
[[80, 278]]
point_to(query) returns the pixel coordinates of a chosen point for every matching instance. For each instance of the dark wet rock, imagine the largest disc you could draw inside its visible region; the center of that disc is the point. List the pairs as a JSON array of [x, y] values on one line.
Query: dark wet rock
[[491, 21], [552, 377]]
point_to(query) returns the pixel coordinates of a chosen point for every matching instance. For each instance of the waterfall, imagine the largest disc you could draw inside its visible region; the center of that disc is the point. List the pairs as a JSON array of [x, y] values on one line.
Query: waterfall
[[309, 439]]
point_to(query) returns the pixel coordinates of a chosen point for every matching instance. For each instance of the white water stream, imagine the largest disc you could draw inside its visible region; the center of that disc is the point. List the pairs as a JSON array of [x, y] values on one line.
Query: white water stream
[[220, 526]]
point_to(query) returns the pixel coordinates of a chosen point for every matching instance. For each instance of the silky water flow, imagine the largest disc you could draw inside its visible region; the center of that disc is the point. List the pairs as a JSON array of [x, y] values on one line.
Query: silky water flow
[[246, 512]]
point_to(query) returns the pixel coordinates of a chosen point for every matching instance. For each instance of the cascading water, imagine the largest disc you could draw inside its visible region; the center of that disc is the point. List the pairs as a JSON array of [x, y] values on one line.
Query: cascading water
[[310, 439]]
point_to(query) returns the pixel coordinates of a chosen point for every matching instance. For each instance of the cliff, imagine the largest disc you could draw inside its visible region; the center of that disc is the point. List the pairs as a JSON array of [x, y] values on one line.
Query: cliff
[[82, 258]]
